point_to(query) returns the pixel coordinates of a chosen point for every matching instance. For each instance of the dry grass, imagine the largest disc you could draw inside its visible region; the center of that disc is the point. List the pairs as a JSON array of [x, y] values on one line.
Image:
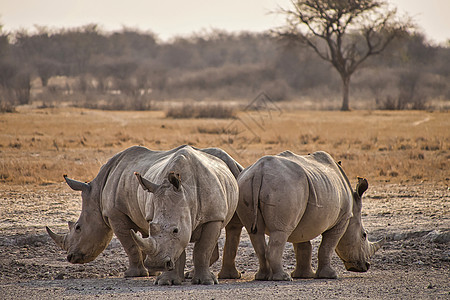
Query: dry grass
[[39, 146]]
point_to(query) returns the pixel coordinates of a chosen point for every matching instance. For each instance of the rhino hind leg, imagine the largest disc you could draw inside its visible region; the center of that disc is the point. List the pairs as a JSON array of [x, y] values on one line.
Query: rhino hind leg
[[303, 255], [203, 250], [330, 239], [233, 234], [258, 240], [277, 242]]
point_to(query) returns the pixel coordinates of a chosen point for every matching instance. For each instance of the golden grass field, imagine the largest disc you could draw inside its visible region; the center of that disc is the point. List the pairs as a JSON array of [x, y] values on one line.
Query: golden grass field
[[38, 146]]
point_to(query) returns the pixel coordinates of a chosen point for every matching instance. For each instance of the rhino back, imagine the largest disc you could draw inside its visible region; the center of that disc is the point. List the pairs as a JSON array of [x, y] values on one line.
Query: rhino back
[[330, 194], [274, 188], [232, 164], [327, 180]]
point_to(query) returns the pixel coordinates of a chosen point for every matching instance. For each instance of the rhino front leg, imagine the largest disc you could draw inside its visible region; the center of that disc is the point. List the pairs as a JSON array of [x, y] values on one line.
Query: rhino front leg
[[203, 250], [330, 239], [214, 258], [121, 226], [303, 254], [277, 242], [233, 235], [176, 276]]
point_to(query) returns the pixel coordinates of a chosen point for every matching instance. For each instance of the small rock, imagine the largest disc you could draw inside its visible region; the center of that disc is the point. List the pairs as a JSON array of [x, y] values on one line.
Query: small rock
[[439, 237], [442, 238], [432, 235], [398, 236], [60, 276]]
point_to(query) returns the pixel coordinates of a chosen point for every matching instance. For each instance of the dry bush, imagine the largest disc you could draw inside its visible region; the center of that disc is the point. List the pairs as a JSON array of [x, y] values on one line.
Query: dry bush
[[6, 107], [201, 111], [211, 130]]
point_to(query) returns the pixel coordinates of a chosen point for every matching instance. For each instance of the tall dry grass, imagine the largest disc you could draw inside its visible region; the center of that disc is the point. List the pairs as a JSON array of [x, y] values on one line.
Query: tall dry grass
[[39, 146]]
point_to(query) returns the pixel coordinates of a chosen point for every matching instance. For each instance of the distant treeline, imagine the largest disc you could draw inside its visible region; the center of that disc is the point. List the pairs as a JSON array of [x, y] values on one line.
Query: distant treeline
[[130, 69]]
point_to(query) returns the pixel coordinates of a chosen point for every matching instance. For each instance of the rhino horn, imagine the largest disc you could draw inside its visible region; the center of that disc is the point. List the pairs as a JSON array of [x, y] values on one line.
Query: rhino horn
[[147, 244], [58, 238], [146, 184], [373, 247], [70, 223], [77, 185]]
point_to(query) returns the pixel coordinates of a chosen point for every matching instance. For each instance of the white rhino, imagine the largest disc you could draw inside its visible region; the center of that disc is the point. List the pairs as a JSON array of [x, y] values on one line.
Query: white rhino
[[294, 199], [201, 185]]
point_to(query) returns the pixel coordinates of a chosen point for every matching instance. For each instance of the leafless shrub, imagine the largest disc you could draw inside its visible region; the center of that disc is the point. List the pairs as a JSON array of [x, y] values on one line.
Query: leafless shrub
[[279, 90], [22, 87], [6, 107], [210, 130], [214, 111], [389, 103], [410, 93]]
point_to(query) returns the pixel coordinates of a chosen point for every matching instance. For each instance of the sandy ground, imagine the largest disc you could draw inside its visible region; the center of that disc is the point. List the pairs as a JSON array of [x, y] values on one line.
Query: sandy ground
[[414, 262]]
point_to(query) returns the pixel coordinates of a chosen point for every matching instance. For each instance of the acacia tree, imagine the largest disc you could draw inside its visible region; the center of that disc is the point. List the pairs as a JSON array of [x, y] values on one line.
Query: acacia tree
[[343, 32]]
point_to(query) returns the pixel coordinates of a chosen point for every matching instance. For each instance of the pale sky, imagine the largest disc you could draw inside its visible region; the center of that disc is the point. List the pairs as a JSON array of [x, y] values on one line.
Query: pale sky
[[182, 17]]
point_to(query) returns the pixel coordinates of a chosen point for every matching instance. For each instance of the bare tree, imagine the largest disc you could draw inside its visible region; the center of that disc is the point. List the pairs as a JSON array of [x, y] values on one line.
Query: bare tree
[[343, 32]]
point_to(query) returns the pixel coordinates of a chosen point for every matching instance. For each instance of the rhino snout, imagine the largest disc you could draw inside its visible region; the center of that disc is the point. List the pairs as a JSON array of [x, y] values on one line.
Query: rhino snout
[[357, 267], [72, 258]]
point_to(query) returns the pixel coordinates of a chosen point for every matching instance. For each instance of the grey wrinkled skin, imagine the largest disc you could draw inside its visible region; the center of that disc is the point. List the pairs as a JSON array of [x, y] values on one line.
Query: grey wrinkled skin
[[114, 202], [295, 198]]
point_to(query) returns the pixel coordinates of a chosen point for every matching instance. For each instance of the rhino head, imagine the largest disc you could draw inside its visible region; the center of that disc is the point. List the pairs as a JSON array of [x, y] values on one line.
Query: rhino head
[[171, 228], [90, 235], [354, 248]]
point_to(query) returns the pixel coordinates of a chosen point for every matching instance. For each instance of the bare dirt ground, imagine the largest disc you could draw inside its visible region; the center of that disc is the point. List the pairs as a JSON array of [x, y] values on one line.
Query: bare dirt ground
[[414, 263]]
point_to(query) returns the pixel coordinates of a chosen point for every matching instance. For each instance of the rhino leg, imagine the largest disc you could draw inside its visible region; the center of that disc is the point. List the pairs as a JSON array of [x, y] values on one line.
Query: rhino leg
[[213, 259], [203, 251], [330, 239], [214, 255], [303, 254], [121, 226], [233, 235], [277, 242], [258, 240], [174, 277]]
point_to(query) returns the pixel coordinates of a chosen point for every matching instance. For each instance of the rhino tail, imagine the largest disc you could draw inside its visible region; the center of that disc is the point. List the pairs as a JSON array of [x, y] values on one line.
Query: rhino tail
[[256, 188]]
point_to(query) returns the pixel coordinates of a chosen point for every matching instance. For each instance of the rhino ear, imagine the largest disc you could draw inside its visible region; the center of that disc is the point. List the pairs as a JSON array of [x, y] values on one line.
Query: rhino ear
[[146, 184], [77, 185], [361, 186], [175, 179]]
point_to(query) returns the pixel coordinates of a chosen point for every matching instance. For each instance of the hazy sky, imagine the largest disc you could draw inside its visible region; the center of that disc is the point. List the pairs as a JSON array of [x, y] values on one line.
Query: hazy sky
[[181, 17]]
